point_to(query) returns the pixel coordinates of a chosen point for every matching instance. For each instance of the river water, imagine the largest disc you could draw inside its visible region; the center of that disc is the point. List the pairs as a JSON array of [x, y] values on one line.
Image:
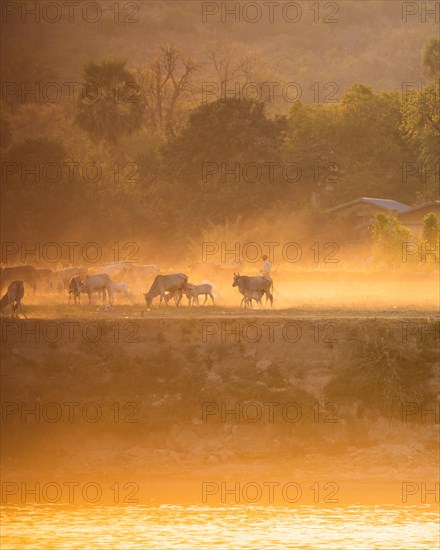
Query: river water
[[232, 527]]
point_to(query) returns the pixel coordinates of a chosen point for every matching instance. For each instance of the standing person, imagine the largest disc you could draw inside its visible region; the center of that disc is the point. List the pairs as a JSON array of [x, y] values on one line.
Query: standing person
[[267, 266]]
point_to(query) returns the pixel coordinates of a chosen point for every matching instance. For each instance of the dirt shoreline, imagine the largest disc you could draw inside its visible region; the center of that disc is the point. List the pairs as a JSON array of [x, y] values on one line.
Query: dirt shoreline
[[61, 312], [164, 388]]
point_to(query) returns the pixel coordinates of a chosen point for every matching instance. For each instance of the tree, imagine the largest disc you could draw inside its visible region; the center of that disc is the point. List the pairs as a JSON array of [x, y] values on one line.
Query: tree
[[24, 76], [220, 137], [164, 84], [230, 65], [310, 144], [110, 105], [233, 72], [431, 229], [421, 129], [41, 151], [35, 193], [352, 148]]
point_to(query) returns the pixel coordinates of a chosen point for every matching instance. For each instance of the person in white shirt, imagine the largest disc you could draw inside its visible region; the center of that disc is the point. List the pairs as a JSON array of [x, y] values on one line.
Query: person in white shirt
[[266, 266]]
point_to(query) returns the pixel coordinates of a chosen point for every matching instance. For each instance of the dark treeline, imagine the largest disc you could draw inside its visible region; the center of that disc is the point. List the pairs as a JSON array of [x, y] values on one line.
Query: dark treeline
[[152, 156]]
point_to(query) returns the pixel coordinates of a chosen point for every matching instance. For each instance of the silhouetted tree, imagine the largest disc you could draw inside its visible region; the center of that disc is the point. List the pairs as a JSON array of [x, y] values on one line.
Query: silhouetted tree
[[110, 105], [164, 84]]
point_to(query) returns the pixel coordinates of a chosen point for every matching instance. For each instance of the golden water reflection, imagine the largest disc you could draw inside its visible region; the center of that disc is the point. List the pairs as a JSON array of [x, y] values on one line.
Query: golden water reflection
[[167, 527]]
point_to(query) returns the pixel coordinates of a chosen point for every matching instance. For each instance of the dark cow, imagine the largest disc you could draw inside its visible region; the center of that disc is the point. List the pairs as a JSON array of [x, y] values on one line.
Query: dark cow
[[176, 283], [248, 285], [75, 289], [66, 274]]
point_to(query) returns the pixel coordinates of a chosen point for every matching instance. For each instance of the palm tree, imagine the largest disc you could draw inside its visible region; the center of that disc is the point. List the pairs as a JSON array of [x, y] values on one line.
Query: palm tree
[[110, 105]]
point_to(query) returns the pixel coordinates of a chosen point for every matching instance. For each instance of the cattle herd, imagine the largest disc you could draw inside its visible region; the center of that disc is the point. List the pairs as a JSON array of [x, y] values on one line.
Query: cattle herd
[[118, 278]]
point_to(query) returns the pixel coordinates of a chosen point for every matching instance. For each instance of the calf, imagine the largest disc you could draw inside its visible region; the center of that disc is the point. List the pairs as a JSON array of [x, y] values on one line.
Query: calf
[[176, 294], [249, 295], [194, 291], [121, 288]]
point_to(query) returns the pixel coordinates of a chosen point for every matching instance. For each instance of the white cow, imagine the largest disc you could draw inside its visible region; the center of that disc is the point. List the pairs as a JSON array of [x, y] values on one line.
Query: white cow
[[139, 274], [175, 283], [116, 270], [95, 283]]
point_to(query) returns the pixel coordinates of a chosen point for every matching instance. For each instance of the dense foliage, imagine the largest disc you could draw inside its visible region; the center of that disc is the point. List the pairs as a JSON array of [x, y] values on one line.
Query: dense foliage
[[151, 157]]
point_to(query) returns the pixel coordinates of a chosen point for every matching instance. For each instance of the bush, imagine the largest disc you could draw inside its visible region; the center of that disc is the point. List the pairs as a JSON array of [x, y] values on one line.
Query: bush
[[431, 234], [382, 374], [389, 235]]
